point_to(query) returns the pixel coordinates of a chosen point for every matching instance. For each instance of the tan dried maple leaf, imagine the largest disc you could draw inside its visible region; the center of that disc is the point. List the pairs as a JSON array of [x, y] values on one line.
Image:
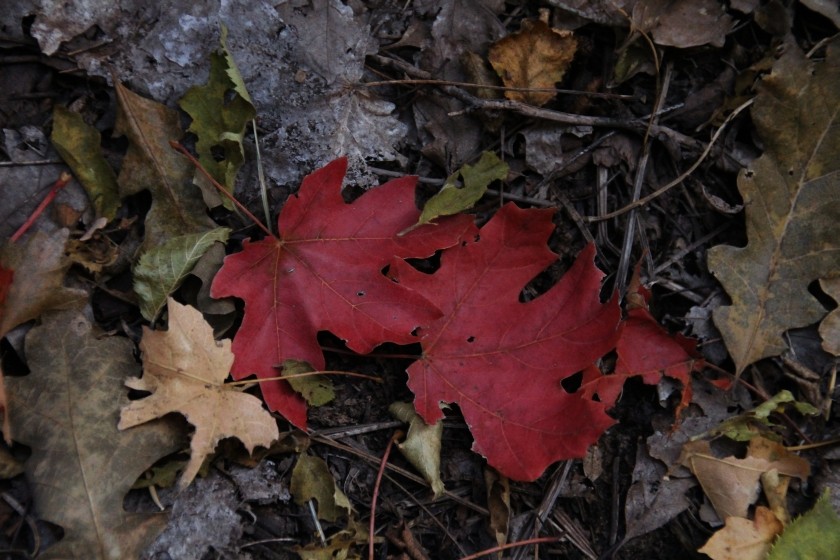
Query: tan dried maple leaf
[[744, 539], [184, 368]]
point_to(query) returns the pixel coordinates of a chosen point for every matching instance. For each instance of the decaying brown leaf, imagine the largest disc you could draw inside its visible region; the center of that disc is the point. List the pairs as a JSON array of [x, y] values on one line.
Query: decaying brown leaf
[[744, 539], [683, 23], [535, 57], [39, 265], [81, 467], [498, 504], [730, 483], [790, 194], [151, 163], [34, 283], [185, 369]]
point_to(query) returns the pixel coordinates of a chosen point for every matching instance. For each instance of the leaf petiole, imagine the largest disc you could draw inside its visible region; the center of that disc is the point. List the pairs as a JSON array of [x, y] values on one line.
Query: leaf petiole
[[219, 187], [59, 184], [307, 374]]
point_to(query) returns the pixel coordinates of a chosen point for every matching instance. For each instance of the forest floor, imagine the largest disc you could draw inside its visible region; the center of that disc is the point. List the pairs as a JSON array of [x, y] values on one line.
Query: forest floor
[[641, 123]]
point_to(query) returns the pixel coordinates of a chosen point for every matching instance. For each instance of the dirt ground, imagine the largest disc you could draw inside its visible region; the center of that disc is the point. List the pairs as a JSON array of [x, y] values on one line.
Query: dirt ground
[[583, 152]]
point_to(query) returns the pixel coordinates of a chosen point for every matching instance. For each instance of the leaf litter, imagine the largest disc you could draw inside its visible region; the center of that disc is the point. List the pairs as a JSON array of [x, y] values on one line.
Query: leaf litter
[[325, 102]]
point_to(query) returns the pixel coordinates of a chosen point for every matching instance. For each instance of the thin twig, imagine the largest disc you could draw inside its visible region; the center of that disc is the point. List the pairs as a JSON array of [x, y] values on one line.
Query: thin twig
[[307, 374], [30, 521], [59, 184], [372, 527], [314, 515], [357, 430], [428, 512], [402, 472], [29, 163], [678, 180], [638, 125], [556, 483], [219, 187], [261, 178], [639, 180], [488, 551], [470, 85]]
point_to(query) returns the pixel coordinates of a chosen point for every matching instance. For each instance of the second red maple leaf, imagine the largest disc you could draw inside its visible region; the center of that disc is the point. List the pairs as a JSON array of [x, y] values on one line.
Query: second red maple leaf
[[503, 361]]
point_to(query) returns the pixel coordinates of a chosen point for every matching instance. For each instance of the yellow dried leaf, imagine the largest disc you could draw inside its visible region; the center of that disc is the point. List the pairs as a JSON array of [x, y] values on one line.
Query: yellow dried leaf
[[536, 57], [730, 483], [185, 369], [743, 539], [422, 444]]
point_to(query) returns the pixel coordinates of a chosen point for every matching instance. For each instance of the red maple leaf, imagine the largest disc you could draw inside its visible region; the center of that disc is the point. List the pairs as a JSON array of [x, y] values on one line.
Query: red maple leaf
[[323, 273], [6, 277], [502, 360], [647, 350]]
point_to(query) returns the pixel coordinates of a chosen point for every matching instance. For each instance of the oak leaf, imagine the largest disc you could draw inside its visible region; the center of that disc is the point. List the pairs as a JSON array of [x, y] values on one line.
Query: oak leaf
[[316, 389], [682, 23], [503, 361], [645, 349], [185, 369], [324, 274], [790, 194], [81, 466], [312, 481]]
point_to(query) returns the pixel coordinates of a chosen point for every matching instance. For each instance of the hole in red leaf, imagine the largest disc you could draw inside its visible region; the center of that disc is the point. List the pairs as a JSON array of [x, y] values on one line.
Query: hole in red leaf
[[572, 383]]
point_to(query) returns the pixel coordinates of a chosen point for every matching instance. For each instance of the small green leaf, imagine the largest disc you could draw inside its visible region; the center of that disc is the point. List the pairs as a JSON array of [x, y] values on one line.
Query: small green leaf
[[422, 444], [317, 390], [218, 121], [815, 535], [746, 426], [453, 199], [311, 479], [161, 270], [79, 146]]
